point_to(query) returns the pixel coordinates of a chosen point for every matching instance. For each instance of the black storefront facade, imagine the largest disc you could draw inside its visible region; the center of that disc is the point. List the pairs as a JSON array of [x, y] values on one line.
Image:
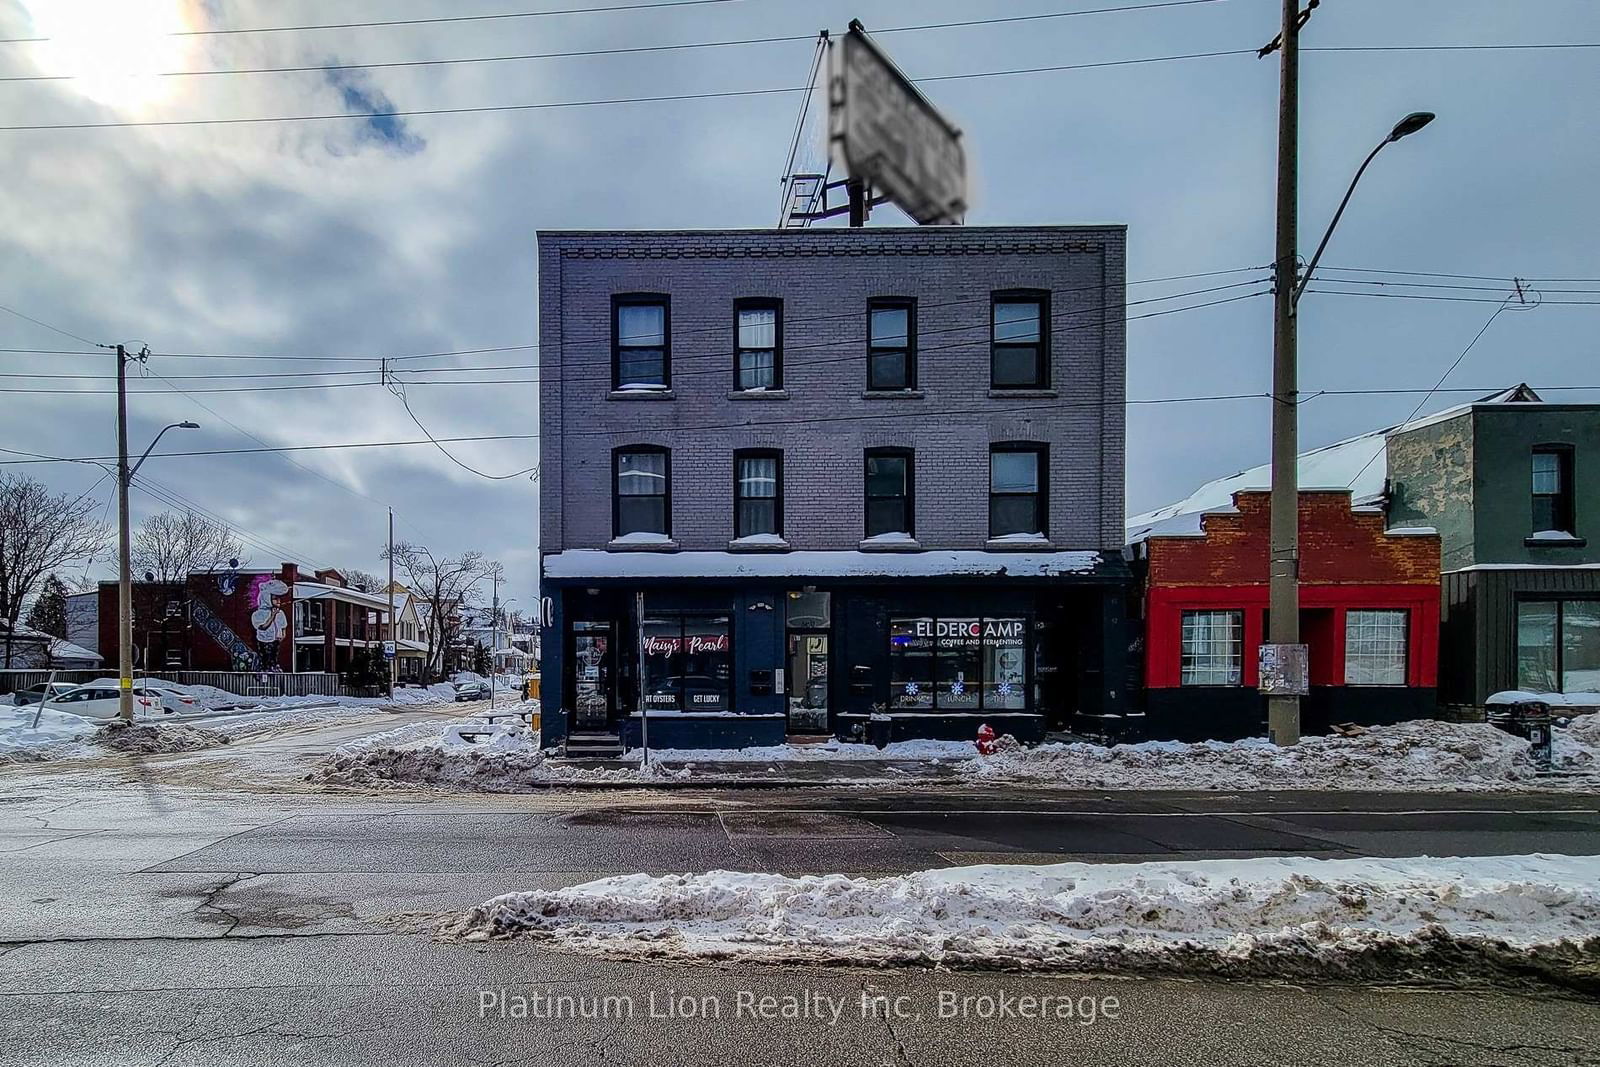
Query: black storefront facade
[[818, 646]]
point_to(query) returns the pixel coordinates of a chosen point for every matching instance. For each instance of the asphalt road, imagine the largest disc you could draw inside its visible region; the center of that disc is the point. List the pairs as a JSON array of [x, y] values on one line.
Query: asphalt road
[[213, 909]]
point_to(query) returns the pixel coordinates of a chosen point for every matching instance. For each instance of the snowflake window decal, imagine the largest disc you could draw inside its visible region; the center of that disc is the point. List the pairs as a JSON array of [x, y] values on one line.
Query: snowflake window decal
[[1004, 689], [912, 689]]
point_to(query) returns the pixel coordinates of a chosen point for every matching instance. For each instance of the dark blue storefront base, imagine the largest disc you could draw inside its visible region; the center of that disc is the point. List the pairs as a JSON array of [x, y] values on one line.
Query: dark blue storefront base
[[1231, 713], [1029, 729], [688, 730]]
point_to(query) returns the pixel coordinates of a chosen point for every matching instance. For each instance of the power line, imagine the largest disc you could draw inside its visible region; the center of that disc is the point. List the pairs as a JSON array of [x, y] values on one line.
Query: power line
[[724, 357], [626, 50], [1440, 296], [46, 325], [1466, 277], [221, 31], [605, 339], [753, 424]]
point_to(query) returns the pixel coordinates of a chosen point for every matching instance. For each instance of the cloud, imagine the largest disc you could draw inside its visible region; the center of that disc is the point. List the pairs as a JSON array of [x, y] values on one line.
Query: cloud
[[382, 128]]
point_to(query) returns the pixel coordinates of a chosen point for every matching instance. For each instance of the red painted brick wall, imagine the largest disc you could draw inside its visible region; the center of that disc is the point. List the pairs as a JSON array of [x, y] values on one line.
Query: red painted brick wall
[[1347, 562]]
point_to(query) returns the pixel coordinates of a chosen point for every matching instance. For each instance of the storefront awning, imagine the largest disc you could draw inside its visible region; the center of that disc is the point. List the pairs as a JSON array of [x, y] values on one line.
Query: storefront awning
[[587, 564]]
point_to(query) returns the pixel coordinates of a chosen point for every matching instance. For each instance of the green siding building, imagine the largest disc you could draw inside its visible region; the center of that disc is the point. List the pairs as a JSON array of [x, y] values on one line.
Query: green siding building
[[1512, 485]]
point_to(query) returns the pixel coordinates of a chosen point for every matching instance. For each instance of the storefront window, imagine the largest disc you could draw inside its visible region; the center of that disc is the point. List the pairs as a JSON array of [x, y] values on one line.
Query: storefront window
[[910, 664], [1004, 663], [957, 664], [1375, 647], [808, 611], [1580, 646], [688, 662], [1536, 646]]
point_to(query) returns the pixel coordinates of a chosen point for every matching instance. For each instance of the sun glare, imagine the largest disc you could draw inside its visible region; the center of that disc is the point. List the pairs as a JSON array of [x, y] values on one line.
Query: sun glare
[[115, 49]]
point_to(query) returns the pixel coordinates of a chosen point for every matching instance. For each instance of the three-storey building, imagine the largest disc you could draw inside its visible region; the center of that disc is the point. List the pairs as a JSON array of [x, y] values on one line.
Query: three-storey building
[[851, 472]]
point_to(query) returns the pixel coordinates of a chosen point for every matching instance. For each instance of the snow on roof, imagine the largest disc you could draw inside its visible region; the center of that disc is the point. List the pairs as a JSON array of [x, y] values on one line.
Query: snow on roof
[[1356, 463], [318, 590], [598, 563], [60, 648]]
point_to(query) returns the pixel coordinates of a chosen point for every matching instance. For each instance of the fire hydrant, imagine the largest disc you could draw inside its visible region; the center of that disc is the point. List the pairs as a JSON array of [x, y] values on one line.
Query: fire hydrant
[[986, 740]]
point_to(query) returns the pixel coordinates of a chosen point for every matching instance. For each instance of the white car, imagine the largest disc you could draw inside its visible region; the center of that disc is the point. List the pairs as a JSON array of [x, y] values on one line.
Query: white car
[[96, 701]]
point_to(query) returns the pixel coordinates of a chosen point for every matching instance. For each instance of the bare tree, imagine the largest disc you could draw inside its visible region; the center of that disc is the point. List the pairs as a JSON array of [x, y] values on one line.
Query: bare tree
[[447, 587], [172, 545], [364, 582], [39, 532]]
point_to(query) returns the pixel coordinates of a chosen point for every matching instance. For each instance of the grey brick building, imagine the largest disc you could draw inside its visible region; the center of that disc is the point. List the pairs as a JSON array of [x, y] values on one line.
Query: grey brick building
[[854, 472]]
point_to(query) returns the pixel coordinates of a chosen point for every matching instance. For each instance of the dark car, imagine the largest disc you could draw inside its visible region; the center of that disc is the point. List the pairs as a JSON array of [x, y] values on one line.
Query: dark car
[[473, 690], [34, 694]]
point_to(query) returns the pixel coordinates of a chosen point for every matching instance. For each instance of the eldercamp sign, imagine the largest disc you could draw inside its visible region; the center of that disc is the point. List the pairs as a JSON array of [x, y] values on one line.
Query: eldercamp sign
[[888, 134]]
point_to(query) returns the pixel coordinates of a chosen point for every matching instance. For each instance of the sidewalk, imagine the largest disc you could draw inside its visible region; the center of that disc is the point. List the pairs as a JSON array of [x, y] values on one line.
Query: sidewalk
[[733, 774]]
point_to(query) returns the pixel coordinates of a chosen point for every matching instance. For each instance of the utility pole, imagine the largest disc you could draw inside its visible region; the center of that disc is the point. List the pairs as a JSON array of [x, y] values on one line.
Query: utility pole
[[494, 631], [1283, 709], [124, 551], [394, 624]]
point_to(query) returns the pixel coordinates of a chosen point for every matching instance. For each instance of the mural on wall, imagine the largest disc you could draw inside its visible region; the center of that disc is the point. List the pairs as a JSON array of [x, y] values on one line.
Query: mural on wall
[[268, 618], [228, 580]]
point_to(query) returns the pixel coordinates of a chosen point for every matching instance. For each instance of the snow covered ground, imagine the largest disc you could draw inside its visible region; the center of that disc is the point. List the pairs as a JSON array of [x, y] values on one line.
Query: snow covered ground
[[1290, 917], [1417, 755], [1422, 756], [470, 754]]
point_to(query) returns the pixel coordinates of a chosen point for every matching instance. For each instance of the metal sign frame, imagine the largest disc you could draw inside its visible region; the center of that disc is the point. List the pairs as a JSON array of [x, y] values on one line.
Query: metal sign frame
[[890, 137]]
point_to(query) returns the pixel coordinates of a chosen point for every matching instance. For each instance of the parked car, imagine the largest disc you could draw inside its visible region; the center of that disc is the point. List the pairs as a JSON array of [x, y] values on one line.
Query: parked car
[[472, 690], [99, 701], [36, 693]]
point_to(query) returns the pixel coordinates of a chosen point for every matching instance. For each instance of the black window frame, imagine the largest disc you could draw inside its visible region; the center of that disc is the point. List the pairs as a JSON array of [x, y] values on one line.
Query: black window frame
[[616, 487], [893, 303], [1041, 297], [909, 496], [622, 300], [759, 303], [1559, 648], [1041, 453], [777, 498], [1564, 517]]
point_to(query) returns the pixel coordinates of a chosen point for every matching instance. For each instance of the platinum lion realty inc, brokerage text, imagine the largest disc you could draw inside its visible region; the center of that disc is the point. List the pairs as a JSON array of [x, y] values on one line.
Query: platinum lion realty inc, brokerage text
[[807, 1005]]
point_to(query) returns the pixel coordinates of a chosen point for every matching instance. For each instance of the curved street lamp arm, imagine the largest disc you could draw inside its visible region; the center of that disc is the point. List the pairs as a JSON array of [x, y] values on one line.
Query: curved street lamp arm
[[1317, 257], [174, 426]]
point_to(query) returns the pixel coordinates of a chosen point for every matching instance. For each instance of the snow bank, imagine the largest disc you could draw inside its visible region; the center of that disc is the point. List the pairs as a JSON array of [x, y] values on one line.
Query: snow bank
[[57, 734], [1290, 917], [1421, 755], [149, 740], [470, 755]]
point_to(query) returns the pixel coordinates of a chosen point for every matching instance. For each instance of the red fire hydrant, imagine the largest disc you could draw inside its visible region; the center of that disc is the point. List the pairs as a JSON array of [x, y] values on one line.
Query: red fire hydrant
[[986, 740]]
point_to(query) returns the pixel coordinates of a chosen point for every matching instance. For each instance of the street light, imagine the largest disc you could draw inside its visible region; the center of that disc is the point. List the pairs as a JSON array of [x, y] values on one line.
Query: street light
[[1404, 128], [125, 475], [1283, 579]]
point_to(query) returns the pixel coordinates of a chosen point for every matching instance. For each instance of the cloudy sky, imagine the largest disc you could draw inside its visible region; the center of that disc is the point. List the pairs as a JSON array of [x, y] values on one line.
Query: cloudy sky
[[371, 238]]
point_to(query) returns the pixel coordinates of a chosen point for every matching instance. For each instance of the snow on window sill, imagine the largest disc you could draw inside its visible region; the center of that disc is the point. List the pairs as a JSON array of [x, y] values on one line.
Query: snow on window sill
[[1017, 541], [891, 542], [1012, 394], [758, 394], [892, 394], [1554, 539], [758, 543], [642, 542], [642, 392]]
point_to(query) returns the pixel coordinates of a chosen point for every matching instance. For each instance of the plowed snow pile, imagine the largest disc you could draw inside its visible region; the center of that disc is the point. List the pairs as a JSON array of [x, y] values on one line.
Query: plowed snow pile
[[140, 739], [1288, 917], [1420, 755], [466, 755]]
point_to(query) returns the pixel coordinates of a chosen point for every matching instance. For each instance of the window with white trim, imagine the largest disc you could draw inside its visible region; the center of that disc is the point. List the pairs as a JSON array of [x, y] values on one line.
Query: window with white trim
[[1375, 647], [1213, 647]]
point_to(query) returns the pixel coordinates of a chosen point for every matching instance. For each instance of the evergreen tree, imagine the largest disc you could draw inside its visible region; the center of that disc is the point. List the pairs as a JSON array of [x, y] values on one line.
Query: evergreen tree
[[49, 611]]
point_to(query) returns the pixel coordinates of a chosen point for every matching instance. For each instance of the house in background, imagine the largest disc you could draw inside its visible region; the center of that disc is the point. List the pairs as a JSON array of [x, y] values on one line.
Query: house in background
[[855, 475], [1369, 614], [24, 648], [244, 620], [1512, 484]]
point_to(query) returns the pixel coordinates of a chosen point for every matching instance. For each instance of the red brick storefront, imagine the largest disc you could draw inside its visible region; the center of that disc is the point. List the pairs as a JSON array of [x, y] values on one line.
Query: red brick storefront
[[1369, 612]]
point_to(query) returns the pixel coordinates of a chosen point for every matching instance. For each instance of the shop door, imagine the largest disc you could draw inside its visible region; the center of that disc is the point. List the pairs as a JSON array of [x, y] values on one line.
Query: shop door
[[808, 682], [593, 695]]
